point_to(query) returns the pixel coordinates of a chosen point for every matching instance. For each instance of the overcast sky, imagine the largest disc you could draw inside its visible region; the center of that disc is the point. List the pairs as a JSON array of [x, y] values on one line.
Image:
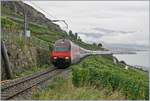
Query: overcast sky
[[124, 22]]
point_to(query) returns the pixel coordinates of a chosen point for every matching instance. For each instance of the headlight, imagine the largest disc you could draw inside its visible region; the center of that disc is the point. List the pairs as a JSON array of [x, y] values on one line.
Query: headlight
[[54, 57], [66, 57]]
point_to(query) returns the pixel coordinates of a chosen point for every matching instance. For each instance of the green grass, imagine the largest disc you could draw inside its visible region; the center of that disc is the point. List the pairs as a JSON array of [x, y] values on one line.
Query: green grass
[[7, 11], [100, 70], [30, 71], [61, 89]]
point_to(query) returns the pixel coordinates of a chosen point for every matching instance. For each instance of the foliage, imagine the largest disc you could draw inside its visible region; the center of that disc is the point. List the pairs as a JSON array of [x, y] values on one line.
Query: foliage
[[71, 34], [30, 71], [102, 71], [76, 36], [94, 44], [100, 45], [43, 56], [8, 23], [62, 89], [7, 11], [20, 41]]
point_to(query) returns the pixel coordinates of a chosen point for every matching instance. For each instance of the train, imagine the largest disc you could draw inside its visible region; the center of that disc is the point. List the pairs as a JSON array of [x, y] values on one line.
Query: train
[[65, 53]]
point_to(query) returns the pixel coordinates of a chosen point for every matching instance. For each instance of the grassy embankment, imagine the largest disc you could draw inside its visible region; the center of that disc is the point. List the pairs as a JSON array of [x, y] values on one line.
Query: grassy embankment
[[97, 77], [62, 89]]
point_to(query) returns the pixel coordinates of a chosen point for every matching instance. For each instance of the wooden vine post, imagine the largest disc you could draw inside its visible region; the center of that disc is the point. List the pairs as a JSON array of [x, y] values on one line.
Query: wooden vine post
[[5, 57]]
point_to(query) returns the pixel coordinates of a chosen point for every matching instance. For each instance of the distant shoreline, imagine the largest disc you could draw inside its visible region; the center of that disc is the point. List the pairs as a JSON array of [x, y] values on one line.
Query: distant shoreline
[[140, 60]]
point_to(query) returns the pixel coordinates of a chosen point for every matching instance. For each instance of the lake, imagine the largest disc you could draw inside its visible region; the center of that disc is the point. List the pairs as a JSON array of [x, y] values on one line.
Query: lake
[[140, 59]]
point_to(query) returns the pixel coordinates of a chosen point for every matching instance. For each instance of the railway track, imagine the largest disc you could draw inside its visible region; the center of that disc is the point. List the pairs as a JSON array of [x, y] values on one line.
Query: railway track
[[14, 88]]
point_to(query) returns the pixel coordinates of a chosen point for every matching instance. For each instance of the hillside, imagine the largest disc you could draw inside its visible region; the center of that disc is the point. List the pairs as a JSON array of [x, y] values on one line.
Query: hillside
[[16, 9]]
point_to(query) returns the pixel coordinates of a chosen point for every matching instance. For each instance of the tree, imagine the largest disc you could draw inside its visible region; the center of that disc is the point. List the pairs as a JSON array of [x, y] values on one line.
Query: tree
[[79, 39], [70, 33], [94, 44], [99, 45], [123, 62], [76, 36]]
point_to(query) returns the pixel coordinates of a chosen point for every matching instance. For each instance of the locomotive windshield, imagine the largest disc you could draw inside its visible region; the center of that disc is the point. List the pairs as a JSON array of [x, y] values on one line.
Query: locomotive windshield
[[61, 49], [62, 45]]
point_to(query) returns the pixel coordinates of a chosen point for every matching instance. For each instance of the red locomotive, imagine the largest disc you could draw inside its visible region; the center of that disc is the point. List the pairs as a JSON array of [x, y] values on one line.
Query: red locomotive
[[65, 53]]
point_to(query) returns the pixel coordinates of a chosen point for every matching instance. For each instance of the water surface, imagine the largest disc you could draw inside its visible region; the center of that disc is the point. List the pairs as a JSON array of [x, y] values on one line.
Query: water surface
[[140, 59]]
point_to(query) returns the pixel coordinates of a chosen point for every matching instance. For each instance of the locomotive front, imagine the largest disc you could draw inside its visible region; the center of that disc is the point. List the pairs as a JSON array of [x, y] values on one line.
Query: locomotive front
[[61, 54]]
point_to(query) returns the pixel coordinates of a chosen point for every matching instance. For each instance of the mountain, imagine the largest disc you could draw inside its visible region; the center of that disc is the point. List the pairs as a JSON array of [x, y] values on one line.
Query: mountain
[[17, 9]]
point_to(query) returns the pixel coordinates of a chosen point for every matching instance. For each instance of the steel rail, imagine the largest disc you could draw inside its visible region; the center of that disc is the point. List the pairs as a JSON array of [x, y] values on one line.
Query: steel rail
[[12, 89]]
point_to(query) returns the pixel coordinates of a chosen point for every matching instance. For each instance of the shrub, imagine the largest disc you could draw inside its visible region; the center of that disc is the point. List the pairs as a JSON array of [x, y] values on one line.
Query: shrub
[[102, 71]]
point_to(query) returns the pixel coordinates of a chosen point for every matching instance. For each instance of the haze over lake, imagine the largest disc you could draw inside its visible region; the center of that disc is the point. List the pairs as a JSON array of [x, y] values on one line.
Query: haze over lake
[[139, 59]]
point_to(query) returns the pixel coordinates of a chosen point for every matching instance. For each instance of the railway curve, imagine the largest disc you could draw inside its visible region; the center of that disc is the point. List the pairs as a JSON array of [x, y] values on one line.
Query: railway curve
[[11, 89]]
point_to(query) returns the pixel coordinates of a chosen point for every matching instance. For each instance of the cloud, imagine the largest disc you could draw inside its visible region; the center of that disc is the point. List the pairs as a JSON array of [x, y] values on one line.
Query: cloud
[[107, 31], [134, 38], [101, 33], [91, 37], [108, 21]]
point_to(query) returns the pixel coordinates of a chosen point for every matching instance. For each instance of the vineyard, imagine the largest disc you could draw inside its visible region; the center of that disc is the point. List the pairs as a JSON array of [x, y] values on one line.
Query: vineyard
[[46, 35], [101, 71]]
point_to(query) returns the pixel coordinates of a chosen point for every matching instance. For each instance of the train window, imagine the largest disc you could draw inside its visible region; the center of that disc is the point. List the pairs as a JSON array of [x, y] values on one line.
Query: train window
[[61, 49]]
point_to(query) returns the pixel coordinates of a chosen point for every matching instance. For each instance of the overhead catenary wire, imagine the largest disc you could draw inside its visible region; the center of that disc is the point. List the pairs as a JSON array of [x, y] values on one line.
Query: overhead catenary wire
[[42, 9], [55, 18]]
